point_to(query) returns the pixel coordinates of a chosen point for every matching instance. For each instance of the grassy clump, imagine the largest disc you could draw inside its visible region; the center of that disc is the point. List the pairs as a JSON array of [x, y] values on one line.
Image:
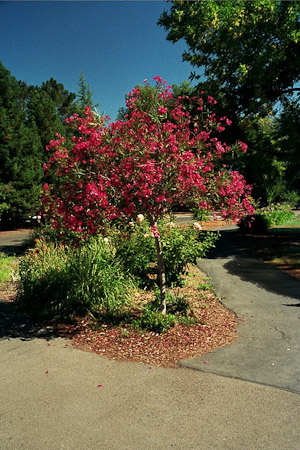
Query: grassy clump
[[59, 280], [8, 268]]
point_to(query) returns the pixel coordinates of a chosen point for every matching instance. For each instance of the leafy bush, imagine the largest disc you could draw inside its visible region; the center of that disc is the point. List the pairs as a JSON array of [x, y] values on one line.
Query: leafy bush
[[266, 217], [200, 214], [182, 247], [256, 224], [136, 249], [154, 321], [58, 280], [178, 311], [277, 214]]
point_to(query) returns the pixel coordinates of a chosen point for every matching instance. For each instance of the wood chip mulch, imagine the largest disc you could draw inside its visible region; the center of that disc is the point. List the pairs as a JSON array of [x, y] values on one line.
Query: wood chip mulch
[[216, 327]]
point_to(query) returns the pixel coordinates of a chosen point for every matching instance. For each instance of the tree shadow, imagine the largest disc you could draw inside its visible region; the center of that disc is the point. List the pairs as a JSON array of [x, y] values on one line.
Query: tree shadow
[[244, 251], [265, 276], [14, 324]]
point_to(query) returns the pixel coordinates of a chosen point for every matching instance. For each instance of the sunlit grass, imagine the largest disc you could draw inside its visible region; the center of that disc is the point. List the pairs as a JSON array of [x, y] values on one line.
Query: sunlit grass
[[8, 267]]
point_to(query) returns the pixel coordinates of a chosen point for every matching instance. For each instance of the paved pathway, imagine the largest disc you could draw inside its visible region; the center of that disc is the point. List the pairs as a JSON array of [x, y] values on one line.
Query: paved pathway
[[53, 396], [267, 304]]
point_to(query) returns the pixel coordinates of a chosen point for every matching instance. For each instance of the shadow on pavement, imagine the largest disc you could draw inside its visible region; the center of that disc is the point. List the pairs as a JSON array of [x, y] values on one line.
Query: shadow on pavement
[[269, 278], [13, 324], [226, 246], [242, 264]]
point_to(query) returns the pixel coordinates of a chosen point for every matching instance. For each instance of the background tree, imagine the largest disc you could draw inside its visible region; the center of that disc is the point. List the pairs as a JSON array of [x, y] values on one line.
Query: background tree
[[29, 117], [250, 50], [84, 96], [20, 157], [289, 129], [246, 54]]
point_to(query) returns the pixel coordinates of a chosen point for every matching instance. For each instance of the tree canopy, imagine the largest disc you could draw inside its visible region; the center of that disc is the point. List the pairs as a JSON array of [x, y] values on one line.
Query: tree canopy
[[250, 50], [246, 54]]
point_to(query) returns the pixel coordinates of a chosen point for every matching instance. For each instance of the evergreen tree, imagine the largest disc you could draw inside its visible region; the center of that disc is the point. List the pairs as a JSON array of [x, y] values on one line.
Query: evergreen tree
[[84, 95], [20, 156], [30, 116]]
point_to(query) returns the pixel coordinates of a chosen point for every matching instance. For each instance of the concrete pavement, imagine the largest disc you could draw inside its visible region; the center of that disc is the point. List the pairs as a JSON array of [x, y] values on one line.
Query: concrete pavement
[[53, 396]]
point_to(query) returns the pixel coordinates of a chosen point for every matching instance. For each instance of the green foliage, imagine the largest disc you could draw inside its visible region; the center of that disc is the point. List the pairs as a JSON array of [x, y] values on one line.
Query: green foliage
[[264, 218], [205, 286], [84, 96], [29, 117], [241, 52], [200, 214], [151, 319], [277, 214], [136, 249], [249, 50], [265, 145], [289, 127], [8, 268], [154, 321], [182, 247], [58, 280]]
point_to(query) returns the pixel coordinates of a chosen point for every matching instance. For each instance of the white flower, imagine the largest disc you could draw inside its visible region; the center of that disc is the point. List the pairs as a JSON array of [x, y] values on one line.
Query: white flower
[[131, 224], [197, 226], [106, 240], [140, 218], [171, 224]]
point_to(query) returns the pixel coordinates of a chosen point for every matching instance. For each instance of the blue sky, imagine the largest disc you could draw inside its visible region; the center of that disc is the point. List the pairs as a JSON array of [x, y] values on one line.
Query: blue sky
[[116, 44]]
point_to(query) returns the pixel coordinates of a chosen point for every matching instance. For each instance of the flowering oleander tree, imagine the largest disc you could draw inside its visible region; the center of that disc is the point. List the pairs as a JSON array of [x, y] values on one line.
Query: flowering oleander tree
[[161, 155]]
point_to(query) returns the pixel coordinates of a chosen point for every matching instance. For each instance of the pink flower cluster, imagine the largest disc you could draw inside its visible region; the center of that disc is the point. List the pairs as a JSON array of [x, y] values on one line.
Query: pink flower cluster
[[159, 156]]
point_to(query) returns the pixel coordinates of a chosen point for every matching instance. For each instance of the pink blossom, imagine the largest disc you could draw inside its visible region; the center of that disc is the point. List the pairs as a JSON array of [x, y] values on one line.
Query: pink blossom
[[155, 231]]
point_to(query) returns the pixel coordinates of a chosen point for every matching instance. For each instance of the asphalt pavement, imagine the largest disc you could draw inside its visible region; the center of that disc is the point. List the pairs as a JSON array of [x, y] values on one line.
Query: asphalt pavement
[[53, 396], [267, 304]]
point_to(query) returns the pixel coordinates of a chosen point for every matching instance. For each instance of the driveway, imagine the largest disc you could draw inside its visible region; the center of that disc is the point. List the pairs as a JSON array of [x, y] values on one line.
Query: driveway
[[53, 396]]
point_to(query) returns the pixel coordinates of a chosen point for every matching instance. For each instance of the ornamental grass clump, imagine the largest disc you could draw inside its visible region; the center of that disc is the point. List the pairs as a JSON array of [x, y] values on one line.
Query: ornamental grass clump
[[60, 280]]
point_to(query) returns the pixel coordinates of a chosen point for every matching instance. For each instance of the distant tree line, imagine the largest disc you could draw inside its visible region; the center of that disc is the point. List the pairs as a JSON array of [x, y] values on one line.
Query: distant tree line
[[30, 116]]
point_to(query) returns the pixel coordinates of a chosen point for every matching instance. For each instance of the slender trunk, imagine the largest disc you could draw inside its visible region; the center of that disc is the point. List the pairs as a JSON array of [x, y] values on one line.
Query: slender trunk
[[161, 270]]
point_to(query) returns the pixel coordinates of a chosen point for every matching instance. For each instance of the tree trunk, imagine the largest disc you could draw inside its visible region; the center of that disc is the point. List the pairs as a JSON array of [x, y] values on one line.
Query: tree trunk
[[161, 271]]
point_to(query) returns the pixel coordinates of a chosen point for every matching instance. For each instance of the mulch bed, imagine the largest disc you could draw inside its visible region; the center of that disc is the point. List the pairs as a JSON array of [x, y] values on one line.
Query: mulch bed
[[216, 327]]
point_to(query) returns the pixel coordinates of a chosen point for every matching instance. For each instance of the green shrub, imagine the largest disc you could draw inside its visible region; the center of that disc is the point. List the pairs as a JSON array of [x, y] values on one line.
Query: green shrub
[[269, 216], [154, 321], [200, 214], [178, 311], [136, 249], [277, 214], [58, 280], [256, 224], [205, 286], [182, 247]]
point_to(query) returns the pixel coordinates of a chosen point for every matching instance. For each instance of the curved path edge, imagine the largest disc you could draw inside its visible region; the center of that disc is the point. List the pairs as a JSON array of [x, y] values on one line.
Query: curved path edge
[[266, 302]]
